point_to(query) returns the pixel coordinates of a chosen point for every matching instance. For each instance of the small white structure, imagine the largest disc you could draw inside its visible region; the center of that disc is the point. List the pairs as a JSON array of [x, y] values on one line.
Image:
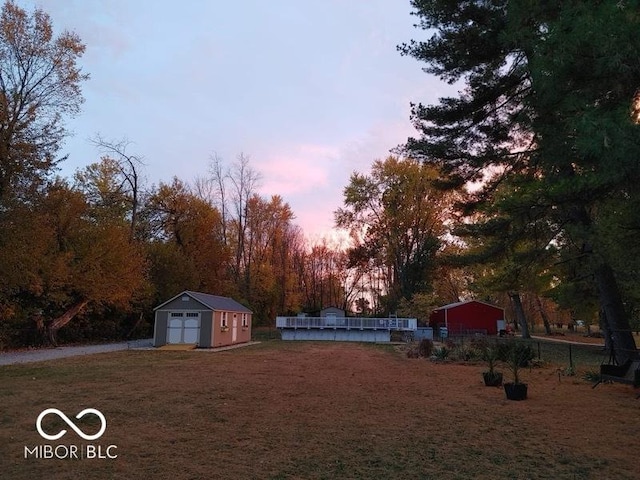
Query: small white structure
[[332, 312]]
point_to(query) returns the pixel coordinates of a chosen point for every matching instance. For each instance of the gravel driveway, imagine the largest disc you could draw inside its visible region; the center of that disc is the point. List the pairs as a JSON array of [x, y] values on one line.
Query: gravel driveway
[[42, 354]]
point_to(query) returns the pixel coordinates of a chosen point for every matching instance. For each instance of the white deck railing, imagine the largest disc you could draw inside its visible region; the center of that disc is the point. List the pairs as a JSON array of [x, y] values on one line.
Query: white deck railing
[[360, 323]]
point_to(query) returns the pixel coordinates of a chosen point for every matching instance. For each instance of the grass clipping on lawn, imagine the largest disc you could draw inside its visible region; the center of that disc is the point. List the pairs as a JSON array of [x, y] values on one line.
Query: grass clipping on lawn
[[285, 410]]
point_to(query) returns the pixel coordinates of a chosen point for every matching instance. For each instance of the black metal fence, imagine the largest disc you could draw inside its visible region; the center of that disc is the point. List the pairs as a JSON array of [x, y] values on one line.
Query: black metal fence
[[563, 354]]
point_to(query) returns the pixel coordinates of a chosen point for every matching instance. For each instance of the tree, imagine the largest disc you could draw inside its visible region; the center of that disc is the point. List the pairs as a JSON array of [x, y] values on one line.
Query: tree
[[39, 87], [400, 217], [25, 243], [197, 257], [260, 235], [39, 84], [83, 263], [267, 280], [126, 169], [170, 270], [236, 184], [218, 183], [514, 244], [451, 280], [547, 105], [324, 277], [103, 189]]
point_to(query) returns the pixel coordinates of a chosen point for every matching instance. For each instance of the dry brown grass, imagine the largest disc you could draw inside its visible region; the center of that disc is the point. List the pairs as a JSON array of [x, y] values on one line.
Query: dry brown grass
[[317, 410]]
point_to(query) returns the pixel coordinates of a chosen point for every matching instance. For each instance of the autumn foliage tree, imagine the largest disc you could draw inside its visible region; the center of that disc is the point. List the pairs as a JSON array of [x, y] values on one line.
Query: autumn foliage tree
[[267, 276], [397, 217], [324, 277], [81, 264], [184, 241], [39, 85]]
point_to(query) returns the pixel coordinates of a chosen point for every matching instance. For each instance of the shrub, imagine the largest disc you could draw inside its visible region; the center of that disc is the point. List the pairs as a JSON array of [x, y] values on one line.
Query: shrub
[[490, 355], [517, 355], [441, 353], [413, 353], [592, 376], [465, 352], [520, 350], [425, 347]]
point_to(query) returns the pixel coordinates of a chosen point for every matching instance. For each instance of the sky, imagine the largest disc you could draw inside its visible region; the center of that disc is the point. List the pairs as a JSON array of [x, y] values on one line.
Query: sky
[[309, 90]]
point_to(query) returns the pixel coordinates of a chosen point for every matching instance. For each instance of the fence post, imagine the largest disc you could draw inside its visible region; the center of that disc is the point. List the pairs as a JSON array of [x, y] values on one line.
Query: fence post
[[570, 357]]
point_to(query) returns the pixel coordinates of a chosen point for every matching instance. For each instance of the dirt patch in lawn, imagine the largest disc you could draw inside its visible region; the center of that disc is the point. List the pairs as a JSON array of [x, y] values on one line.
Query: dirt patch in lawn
[[283, 410]]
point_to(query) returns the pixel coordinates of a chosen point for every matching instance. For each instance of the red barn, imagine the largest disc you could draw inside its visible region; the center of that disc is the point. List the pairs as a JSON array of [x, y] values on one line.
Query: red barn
[[468, 317]]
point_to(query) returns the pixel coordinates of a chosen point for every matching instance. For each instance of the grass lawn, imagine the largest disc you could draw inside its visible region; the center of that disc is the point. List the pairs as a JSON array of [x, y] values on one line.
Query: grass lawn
[[298, 410]]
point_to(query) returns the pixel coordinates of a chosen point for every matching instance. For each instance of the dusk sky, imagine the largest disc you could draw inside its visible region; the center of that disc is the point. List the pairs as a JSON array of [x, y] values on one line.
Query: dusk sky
[[310, 90]]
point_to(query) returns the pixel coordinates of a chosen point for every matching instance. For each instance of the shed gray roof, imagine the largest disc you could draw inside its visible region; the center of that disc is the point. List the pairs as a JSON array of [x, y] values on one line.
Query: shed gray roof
[[214, 302]]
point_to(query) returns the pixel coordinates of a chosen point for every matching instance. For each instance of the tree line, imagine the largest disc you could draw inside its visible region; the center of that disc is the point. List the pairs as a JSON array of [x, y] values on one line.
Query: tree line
[[519, 191], [88, 257]]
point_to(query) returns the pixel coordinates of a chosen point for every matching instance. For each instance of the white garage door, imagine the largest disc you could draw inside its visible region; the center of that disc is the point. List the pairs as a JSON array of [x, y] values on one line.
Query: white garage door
[[183, 327]]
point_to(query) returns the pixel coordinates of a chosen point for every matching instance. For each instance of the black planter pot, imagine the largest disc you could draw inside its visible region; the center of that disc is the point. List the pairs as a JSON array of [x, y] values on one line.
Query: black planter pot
[[515, 391], [492, 379]]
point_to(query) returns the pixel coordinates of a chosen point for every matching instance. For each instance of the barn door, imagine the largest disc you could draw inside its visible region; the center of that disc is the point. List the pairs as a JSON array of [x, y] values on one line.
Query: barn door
[[174, 327], [191, 330], [183, 327]]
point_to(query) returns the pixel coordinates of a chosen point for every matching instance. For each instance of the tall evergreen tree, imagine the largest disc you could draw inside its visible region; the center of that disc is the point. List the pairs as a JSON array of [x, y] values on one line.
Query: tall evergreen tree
[[547, 106]]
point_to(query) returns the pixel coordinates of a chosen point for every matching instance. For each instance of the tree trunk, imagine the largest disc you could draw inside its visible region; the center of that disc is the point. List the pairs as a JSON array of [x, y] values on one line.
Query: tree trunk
[[604, 328], [135, 325], [614, 315], [520, 315], [543, 314], [52, 328]]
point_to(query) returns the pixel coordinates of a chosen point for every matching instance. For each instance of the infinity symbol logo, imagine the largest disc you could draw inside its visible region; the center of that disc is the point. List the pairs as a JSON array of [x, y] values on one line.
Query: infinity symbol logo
[[66, 419]]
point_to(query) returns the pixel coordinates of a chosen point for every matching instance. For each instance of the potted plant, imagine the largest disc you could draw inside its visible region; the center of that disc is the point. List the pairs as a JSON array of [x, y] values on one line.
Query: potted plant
[[518, 356], [492, 378]]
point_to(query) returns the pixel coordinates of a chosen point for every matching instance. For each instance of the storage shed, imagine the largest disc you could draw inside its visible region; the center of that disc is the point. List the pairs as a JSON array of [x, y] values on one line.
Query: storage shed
[[333, 316], [468, 317], [201, 319], [332, 312]]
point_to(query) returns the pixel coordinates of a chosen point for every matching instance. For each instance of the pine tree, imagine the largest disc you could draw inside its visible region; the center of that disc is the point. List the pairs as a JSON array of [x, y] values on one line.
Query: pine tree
[[547, 108]]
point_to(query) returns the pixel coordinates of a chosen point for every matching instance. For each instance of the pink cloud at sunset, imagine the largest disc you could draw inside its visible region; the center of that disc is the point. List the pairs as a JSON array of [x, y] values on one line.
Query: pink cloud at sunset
[[310, 91], [301, 169]]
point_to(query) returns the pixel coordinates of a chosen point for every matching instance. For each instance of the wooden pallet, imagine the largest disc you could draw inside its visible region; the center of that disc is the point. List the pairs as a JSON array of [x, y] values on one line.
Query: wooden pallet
[[179, 346]]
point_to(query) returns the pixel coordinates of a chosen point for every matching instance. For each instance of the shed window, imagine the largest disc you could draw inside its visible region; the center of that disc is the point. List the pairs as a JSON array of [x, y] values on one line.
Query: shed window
[[177, 314], [245, 320], [193, 314], [224, 319]]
